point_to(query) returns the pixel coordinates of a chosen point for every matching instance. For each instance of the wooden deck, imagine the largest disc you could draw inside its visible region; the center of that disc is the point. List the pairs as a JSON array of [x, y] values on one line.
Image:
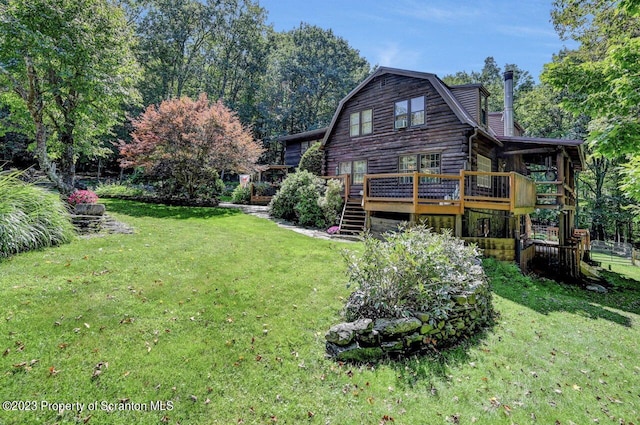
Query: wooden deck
[[420, 193]]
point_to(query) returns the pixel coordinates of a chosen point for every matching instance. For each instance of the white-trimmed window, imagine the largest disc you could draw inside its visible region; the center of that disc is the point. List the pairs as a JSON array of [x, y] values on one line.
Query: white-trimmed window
[[484, 164], [409, 113], [359, 170], [361, 123]]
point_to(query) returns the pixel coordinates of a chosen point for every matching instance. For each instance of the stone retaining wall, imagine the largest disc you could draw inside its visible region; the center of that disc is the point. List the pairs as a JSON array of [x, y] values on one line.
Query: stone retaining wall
[[366, 339]]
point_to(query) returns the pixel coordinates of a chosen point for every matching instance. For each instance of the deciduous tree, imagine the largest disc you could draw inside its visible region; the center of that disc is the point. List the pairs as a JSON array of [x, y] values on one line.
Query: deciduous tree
[[186, 143], [69, 64], [310, 70], [602, 75], [491, 77]]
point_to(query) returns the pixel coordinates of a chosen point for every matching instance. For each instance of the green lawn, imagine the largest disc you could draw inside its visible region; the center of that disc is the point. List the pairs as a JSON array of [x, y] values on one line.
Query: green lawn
[[219, 317]]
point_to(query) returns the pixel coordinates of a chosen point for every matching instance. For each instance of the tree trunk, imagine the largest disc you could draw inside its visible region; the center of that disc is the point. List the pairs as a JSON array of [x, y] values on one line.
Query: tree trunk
[[67, 160], [35, 103]]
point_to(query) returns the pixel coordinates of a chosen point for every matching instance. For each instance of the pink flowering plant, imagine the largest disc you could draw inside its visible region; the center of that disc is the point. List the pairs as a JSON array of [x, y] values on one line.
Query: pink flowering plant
[[82, 197]]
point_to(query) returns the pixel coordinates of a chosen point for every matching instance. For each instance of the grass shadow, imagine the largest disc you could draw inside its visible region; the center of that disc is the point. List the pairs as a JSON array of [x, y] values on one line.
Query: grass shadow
[[546, 296], [141, 209], [435, 366]]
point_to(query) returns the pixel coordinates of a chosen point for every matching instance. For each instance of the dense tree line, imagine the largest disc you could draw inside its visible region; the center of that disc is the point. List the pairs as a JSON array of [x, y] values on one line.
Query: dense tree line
[[72, 70]]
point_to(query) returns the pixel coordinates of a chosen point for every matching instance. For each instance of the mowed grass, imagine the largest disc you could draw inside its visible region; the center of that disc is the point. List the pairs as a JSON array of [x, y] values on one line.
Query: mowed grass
[[219, 318]]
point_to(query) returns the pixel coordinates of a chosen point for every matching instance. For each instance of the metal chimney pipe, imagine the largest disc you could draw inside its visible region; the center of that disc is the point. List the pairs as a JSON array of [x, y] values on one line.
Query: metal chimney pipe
[[507, 116]]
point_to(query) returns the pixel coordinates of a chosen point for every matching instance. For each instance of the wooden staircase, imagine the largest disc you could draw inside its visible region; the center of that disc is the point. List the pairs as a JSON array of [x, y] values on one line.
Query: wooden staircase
[[352, 222]]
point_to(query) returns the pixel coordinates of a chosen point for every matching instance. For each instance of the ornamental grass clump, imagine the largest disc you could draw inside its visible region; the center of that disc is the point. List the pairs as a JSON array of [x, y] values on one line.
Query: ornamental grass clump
[[412, 270], [30, 217]]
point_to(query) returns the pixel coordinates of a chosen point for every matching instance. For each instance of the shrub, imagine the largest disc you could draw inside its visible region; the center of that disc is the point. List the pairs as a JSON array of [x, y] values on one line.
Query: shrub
[[311, 160], [82, 197], [413, 270], [331, 203], [308, 211], [264, 189], [241, 195], [30, 217], [297, 199], [118, 190]]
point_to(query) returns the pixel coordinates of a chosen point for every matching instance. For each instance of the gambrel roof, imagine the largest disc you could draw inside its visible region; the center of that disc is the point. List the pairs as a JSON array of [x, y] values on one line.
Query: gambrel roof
[[442, 89]]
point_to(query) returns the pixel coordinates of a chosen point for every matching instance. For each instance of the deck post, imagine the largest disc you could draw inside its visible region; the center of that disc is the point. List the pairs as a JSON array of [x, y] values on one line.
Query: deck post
[[415, 190], [458, 226], [512, 190], [462, 189]]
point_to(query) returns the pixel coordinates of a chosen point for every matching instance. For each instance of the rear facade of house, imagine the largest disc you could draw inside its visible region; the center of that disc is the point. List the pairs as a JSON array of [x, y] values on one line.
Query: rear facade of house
[[409, 148]]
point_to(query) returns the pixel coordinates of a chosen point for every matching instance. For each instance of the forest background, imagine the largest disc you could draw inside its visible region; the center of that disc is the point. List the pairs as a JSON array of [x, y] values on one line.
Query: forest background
[[136, 53]]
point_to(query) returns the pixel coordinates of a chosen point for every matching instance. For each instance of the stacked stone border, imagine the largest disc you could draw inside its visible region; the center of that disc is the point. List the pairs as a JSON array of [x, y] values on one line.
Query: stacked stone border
[[367, 340]]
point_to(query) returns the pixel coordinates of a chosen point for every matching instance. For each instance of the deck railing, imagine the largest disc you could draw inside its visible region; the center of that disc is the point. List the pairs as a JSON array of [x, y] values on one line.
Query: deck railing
[[346, 182], [413, 192], [448, 194]]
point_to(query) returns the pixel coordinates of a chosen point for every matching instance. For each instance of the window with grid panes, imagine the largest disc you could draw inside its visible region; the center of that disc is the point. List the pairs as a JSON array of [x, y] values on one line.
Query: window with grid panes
[[484, 164], [359, 170], [430, 163]]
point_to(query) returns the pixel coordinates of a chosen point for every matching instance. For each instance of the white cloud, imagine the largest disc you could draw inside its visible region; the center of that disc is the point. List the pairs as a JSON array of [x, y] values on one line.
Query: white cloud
[[394, 55]]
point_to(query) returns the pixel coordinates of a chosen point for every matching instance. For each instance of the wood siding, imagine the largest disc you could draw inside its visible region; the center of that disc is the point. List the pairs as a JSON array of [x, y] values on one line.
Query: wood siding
[[442, 133], [469, 98], [293, 153]]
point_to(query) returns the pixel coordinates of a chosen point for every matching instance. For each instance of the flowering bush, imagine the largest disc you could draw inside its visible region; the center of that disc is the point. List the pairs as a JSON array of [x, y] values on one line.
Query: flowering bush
[[82, 197]]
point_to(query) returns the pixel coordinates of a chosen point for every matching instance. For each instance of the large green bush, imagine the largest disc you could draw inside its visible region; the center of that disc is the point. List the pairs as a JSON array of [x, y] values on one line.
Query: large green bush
[[413, 270], [311, 160], [241, 195], [331, 203], [119, 190], [30, 217], [304, 199]]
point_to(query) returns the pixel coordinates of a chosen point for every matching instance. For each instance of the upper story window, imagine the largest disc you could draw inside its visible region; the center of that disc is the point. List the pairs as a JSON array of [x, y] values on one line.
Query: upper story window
[[409, 113], [361, 123], [417, 110]]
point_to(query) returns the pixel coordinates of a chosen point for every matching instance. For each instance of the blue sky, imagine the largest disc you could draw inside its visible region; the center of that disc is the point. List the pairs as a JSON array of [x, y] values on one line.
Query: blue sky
[[436, 36]]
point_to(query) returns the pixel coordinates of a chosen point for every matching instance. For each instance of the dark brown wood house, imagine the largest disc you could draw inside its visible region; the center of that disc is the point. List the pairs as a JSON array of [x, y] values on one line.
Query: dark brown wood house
[[411, 148]]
